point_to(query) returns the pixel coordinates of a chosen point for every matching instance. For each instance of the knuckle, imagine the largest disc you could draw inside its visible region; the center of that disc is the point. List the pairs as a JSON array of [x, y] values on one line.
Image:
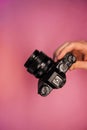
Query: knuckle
[[72, 44]]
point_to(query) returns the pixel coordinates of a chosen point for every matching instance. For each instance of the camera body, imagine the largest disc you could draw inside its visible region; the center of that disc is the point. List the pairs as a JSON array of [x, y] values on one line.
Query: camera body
[[51, 75]]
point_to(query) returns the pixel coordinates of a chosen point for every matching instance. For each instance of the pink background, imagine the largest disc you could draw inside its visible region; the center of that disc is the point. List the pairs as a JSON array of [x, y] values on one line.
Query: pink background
[[26, 25]]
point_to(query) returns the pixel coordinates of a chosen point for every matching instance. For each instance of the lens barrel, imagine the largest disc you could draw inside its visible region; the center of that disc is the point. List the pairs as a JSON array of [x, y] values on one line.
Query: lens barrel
[[38, 64]]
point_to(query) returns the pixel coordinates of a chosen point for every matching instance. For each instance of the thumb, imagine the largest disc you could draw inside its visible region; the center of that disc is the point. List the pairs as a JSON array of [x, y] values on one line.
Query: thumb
[[79, 65]]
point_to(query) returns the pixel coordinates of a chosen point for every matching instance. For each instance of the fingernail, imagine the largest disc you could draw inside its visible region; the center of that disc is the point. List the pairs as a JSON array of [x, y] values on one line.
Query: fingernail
[[55, 59]]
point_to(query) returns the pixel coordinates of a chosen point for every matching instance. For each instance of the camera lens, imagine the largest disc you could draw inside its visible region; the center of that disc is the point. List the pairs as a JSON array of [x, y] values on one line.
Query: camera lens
[[38, 63]]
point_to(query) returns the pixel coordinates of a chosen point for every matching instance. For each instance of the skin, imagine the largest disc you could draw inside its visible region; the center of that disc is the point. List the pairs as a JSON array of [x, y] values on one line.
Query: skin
[[79, 49]]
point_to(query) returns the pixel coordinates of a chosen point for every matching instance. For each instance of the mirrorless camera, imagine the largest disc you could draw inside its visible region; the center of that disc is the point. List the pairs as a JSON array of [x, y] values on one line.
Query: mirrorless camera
[[51, 75]]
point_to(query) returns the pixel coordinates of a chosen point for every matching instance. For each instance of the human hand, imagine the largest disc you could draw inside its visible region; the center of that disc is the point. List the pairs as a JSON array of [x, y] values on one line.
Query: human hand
[[79, 49]]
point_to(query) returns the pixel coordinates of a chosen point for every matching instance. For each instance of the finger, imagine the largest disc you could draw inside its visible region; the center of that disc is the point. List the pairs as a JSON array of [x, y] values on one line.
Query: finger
[[69, 48], [79, 56], [79, 65], [59, 49]]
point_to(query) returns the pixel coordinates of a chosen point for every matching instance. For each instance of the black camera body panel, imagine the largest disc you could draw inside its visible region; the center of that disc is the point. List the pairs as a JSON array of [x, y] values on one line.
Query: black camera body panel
[[51, 75]]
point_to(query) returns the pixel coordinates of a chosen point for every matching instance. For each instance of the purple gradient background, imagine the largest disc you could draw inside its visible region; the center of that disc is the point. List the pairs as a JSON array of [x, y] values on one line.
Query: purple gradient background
[[44, 25]]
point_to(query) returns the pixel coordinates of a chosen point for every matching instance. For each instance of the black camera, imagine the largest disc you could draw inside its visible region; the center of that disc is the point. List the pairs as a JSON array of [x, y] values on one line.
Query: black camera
[[51, 74]]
